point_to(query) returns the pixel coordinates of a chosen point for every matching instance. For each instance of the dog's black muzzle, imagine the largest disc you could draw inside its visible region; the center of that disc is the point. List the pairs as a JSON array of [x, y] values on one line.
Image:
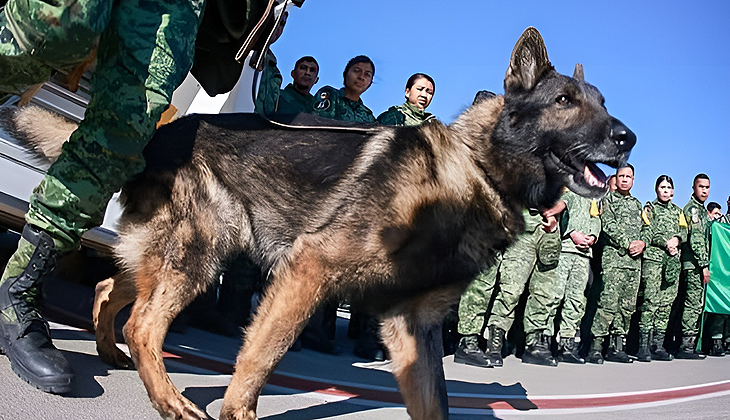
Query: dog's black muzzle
[[624, 138]]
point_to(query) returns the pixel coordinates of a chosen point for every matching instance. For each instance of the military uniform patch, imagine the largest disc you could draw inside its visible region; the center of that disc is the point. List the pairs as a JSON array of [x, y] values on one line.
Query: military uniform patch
[[695, 215], [647, 214], [324, 101]]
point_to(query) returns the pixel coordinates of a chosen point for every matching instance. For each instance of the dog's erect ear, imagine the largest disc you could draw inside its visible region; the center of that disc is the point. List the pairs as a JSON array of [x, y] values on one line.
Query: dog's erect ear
[[528, 62], [578, 73]]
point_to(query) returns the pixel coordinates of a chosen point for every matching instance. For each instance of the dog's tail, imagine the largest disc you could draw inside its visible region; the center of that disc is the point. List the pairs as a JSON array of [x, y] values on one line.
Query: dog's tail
[[40, 131]]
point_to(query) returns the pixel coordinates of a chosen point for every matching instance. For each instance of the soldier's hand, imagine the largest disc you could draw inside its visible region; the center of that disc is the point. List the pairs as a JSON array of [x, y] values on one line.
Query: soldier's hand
[[673, 246], [705, 275], [580, 239], [636, 248], [554, 210], [549, 224]]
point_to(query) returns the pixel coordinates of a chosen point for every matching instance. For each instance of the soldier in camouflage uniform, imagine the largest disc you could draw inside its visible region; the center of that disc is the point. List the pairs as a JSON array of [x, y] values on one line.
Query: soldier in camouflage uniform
[[345, 104], [473, 307], [420, 89], [665, 228], [580, 226], [534, 257], [620, 267], [295, 97], [145, 50], [695, 259]]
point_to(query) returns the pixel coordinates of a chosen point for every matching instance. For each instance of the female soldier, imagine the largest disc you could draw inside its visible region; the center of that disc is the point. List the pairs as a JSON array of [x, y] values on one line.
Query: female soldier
[[664, 229], [419, 92], [345, 104]]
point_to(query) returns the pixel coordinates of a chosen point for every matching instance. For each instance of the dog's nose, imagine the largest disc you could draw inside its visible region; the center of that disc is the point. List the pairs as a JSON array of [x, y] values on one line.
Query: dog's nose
[[625, 139]]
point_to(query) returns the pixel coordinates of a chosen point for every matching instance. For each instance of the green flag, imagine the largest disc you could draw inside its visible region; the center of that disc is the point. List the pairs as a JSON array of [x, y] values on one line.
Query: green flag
[[717, 299]]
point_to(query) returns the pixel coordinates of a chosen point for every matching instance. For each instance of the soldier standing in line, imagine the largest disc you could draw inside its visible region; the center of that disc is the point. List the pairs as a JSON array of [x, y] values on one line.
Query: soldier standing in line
[[695, 259], [580, 226], [620, 269], [534, 257], [665, 228]]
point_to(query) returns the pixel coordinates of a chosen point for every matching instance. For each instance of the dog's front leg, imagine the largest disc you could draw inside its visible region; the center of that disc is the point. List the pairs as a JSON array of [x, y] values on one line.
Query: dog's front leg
[[296, 289], [416, 350], [111, 295]]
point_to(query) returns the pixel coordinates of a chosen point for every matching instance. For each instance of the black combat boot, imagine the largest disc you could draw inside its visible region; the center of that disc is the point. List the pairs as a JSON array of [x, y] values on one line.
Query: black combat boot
[[495, 342], [644, 353], [468, 352], [717, 349], [658, 352], [616, 352], [24, 334], [537, 351], [594, 354], [687, 349], [568, 351], [368, 345]]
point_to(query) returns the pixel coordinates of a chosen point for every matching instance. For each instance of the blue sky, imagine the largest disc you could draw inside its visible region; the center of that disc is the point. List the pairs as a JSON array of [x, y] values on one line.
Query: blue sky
[[664, 67]]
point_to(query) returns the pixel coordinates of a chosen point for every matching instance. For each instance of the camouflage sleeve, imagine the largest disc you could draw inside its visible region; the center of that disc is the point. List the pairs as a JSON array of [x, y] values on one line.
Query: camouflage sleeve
[[594, 224], [269, 87], [697, 239], [324, 102], [391, 117], [612, 228], [647, 229]]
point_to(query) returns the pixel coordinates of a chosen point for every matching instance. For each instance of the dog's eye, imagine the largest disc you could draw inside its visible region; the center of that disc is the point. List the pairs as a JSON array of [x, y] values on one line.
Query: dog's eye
[[563, 100]]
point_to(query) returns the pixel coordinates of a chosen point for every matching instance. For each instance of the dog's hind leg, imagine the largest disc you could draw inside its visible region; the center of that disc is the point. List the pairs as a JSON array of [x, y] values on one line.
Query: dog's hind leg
[[297, 287], [162, 292], [111, 295], [412, 333]]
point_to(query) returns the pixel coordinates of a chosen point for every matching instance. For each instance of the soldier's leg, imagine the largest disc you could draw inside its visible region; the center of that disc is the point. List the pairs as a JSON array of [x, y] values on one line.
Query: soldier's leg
[[574, 305], [667, 293], [605, 312], [144, 53], [651, 279], [517, 265], [693, 303], [473, 307], [544, 298]]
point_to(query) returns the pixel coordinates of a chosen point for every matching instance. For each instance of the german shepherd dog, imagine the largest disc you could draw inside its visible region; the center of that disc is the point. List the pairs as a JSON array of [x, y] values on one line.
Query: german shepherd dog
[[397, 219]]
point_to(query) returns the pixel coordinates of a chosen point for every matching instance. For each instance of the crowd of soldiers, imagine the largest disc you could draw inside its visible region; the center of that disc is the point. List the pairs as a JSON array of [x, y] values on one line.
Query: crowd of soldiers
[[632, 253]]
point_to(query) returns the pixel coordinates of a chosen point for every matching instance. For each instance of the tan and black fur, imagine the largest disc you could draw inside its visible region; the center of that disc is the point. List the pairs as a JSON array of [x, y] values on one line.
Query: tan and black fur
[[397, 219]]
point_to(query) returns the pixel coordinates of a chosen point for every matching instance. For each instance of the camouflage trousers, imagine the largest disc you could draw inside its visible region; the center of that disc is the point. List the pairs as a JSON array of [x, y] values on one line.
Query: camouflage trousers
[[694, 301], [145, 50], [616, 302], [521, 264], [660, 281], [474, 302], [570, 286]]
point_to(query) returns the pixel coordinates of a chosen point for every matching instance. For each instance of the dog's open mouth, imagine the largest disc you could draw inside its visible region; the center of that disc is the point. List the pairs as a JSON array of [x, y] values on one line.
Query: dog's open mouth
[[582, 175]]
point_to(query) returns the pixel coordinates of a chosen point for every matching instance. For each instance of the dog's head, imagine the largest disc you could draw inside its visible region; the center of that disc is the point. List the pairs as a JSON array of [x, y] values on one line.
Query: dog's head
[[557, 126]]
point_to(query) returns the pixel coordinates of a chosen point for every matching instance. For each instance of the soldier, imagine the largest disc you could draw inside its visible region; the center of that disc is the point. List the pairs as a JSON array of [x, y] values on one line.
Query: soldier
[[714, 210], [620, 269], [345, 104], [295, 97], [695, 266], [534, 257], [145, 49], [664, 229], [580, 226], [420, 89]]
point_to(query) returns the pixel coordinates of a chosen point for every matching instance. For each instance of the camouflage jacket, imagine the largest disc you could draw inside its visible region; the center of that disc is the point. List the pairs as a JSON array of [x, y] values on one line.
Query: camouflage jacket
[[292, 101], [533, 219], [332, 103], [578, 216], [406, 114], [696, 251], [269, 87], [621, 222], [662, 221]]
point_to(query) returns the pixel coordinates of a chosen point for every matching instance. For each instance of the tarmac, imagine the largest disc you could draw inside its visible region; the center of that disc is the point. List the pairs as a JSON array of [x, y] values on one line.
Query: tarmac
[[312, 385]]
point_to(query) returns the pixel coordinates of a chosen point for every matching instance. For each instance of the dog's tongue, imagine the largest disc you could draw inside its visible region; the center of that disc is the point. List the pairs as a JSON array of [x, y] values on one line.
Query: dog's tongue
[[594, 176]]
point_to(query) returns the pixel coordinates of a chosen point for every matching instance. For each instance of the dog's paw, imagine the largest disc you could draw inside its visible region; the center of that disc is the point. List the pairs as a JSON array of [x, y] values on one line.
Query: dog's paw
[[116, 358], [242, 414], [181, 409]]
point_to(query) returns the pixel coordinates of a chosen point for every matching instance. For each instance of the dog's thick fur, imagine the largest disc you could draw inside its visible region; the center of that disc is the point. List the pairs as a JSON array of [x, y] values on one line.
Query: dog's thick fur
[[399, 219]]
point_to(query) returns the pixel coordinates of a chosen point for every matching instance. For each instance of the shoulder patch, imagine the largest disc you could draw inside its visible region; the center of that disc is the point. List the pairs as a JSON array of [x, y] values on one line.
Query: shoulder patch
[[594, 211], [682, 220], [324, 101], [647, 215], [695, 215]]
